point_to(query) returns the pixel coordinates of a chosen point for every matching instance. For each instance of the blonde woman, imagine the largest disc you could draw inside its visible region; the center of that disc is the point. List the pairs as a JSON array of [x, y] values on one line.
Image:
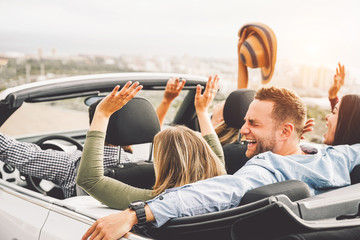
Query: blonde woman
[[181, 156]]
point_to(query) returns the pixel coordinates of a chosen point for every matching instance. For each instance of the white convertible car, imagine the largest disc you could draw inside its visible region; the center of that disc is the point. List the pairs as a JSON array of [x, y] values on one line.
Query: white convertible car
[[53, 114]]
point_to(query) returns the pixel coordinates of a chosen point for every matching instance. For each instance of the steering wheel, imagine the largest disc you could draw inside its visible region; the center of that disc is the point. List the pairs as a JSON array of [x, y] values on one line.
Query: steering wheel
[[11, 174], [45, 186]]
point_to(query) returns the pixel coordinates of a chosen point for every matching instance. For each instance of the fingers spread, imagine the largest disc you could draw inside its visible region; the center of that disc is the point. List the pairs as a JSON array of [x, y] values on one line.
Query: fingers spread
[[135, 91], [127, 89]]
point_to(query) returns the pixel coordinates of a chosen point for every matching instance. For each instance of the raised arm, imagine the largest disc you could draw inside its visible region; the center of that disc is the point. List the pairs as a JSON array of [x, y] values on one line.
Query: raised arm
[[339, 80], [172, 90], [202, 103], [90, 175]]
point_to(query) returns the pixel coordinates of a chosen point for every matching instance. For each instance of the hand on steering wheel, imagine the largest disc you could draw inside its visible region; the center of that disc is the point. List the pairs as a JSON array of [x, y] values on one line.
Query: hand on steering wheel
[[45, 186]]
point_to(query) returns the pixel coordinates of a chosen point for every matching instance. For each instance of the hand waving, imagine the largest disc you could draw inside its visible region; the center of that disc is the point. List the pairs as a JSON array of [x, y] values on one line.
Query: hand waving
[[339, 79], [310, 123], [117, 99], [173, 88], [203, 101]]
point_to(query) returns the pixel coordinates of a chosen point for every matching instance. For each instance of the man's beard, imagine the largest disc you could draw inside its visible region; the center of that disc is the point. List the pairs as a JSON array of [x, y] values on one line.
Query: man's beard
[[262, 145]]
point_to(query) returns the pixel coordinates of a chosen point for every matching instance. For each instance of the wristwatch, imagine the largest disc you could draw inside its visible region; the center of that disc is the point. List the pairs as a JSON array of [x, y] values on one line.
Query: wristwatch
[[139, 208]]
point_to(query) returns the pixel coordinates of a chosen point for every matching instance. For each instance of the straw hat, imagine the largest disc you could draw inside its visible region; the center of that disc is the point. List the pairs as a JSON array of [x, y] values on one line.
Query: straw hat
[[259, 49]]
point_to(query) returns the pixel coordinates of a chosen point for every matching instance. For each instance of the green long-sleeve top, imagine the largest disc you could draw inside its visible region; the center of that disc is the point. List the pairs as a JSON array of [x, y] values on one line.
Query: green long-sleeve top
[[109, 191]]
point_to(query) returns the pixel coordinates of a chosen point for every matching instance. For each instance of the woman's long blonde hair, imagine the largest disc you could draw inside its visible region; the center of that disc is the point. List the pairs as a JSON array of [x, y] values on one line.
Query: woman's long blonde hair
[[226, 134], [182, 156]]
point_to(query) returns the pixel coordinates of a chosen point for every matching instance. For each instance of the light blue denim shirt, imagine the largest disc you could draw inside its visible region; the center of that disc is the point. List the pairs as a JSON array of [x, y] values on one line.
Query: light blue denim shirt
[[329, 168]]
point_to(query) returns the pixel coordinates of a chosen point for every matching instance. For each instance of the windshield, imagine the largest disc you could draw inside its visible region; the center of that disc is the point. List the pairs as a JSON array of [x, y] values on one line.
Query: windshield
[[69, 115]]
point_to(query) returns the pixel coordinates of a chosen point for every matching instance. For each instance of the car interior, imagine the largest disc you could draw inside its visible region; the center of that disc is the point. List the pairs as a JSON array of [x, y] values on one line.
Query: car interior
[[267, 212], [135, 124]]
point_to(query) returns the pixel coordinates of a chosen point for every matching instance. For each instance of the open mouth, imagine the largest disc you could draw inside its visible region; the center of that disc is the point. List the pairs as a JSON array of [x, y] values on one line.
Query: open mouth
[[251, 142], [248, 141]]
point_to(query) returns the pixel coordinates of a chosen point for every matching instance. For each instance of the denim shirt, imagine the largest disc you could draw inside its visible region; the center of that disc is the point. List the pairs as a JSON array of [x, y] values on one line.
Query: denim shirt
[[329, 168]]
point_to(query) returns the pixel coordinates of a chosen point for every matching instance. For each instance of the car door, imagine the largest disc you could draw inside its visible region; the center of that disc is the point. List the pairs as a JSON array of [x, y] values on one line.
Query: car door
[[22, 214], [62, 225], [72, 217]]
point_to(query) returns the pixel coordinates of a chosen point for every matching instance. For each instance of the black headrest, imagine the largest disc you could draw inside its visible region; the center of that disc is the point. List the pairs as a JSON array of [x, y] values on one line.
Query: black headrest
[[134, 123], [355, 175], [236, 106], [294, 189]]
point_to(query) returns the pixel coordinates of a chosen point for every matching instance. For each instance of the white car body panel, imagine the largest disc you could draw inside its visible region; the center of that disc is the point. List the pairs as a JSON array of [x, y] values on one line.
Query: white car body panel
[[23, 219], [29, 215]]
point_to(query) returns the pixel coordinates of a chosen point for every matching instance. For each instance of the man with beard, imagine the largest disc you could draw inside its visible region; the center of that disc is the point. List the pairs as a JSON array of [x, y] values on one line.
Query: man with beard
[[273, 128], [274, 122]]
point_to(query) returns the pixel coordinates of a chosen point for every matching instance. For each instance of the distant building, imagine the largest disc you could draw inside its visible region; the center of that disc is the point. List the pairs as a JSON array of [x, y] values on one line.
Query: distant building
[[3, 61], [53, 52], [40, 53]]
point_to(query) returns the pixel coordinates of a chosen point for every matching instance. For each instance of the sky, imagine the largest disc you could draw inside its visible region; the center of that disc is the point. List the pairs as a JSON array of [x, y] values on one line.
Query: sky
[[318, 32]]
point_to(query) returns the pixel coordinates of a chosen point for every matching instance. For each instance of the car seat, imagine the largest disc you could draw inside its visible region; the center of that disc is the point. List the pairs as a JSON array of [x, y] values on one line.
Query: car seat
[[135, 123], [355, 175]]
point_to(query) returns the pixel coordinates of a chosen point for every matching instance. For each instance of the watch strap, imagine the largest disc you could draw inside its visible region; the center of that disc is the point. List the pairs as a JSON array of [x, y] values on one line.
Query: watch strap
[[139, 208], [141, 215]]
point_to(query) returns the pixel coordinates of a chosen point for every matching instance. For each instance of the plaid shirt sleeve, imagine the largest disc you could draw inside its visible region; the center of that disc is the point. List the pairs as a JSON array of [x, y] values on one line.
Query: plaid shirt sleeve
[[52, 165], [30, 159]]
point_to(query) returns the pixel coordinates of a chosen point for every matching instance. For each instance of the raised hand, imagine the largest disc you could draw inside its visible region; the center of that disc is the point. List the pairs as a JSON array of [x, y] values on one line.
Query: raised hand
[[339, 80], [117, 99], [203, 101], [310, 123], [173, 88], [111, 103]]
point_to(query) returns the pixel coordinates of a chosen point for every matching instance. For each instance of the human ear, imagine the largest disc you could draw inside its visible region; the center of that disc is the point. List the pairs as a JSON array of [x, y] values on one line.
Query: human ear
[[287, 130]]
